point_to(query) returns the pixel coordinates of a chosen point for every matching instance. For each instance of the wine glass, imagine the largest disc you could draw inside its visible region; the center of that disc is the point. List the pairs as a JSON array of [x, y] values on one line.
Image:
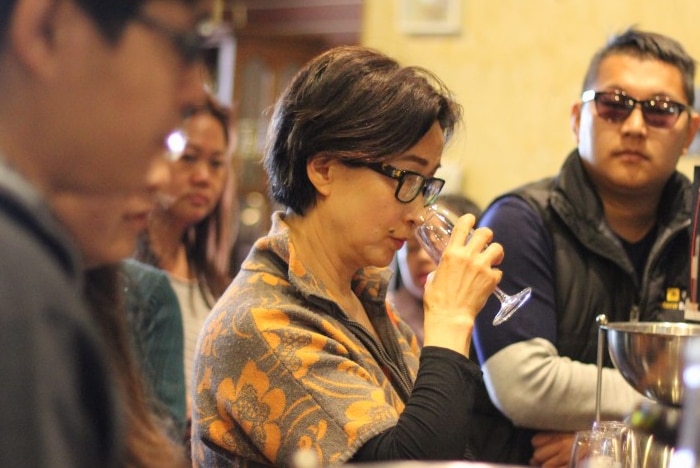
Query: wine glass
[[624, 437], [595, 449], [433, 234]]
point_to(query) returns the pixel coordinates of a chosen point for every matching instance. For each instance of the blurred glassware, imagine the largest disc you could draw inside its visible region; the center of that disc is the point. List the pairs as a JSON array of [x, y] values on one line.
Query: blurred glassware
[[595, 449]]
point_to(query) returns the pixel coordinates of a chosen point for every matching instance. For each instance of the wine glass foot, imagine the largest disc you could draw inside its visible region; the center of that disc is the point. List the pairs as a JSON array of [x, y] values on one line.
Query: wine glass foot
[[510, 304]]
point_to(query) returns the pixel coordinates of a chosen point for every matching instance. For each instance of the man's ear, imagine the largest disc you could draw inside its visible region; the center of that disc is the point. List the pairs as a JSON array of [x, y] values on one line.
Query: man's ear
[[693, 125], [319, 169], [32, 33], [575, 119]]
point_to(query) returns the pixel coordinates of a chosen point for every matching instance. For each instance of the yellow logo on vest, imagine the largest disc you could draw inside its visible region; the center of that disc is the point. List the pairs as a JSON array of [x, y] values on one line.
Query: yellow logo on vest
[[673, 294], [675, 299]]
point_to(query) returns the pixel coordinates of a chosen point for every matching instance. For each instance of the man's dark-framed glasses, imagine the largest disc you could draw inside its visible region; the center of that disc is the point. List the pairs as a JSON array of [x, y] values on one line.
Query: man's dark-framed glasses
[[616, 106], [190, 44], [411, 184]]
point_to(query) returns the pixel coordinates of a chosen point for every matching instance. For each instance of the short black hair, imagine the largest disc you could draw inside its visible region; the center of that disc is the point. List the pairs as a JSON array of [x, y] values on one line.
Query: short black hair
[[646, 45], [110, 16], [355, 104]]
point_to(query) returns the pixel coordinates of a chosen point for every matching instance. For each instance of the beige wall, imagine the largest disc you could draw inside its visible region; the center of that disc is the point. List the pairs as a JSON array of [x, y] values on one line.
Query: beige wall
[[517, 67]]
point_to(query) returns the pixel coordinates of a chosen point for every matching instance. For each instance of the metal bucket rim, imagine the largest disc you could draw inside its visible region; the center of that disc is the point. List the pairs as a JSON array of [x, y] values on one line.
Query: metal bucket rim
[[654, 328]]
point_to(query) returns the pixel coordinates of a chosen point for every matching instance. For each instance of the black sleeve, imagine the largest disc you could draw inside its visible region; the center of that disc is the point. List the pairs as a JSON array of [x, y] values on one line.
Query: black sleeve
[[434, 425]]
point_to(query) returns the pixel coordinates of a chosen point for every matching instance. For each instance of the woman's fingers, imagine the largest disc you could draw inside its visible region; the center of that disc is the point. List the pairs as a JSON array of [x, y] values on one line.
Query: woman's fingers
[[477, 241], [462, 230]]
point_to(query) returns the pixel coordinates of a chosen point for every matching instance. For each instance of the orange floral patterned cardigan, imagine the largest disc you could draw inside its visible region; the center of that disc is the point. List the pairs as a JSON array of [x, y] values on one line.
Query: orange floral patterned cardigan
[[280, 367]]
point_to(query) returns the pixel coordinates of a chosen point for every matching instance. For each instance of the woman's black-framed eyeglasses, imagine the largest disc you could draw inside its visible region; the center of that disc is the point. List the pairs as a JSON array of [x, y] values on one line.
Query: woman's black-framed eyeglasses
[[411, 184]]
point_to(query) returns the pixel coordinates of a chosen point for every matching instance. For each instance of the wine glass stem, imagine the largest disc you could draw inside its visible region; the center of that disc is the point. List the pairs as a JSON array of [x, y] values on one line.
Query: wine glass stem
[[499, 294]]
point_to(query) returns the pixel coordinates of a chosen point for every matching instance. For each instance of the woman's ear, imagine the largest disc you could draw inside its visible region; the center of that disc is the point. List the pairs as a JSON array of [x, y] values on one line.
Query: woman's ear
[[319, 169]]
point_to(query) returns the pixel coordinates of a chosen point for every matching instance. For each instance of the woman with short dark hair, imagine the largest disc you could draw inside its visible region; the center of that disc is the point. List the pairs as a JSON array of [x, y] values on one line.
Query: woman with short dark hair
[[302, 351]]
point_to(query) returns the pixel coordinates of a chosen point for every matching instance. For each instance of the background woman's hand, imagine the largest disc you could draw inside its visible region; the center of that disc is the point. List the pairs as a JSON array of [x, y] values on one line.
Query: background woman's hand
[[552, 449], [459, 287]]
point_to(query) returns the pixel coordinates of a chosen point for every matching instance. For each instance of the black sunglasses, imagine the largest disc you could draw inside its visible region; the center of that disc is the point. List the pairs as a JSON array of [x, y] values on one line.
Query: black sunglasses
[[411, 184], [616, 106], [189, 44]]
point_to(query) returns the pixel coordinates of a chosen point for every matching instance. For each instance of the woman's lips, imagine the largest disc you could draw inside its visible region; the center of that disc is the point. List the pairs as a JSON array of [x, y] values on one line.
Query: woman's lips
[[421, 279], [398, 243], [198, 199]]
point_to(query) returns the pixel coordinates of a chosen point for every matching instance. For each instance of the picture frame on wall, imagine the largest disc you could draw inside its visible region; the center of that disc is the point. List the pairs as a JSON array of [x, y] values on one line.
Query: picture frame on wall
[[430, 17]]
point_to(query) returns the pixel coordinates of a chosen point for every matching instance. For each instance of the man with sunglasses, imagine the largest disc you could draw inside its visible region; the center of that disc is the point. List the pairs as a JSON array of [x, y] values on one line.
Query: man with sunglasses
[[608, 235], [88, 91]]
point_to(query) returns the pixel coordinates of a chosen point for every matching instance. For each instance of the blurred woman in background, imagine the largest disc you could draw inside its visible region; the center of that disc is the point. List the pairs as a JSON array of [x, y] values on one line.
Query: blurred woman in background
[[151, 438], [191, 231]]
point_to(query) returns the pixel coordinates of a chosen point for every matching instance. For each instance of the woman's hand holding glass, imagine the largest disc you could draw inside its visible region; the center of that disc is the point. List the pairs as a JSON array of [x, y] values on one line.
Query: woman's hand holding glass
[[459, 287], [434, 235]]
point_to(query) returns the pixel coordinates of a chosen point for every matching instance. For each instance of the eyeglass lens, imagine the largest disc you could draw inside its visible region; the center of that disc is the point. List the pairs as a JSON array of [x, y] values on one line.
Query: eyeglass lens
[[658, 112], [432, 190], [411, 185]]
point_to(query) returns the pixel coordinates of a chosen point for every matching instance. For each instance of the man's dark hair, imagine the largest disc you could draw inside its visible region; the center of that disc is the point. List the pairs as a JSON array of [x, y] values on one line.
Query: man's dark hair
[[6, 9], [646, 45], [110, 16]]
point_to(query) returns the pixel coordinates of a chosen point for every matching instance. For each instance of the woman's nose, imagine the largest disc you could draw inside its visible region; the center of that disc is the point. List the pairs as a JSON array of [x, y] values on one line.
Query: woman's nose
[[416, 214], [201, 172]]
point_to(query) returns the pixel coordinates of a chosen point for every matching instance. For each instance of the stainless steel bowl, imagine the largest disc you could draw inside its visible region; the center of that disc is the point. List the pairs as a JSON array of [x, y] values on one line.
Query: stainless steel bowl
[[650, 356]]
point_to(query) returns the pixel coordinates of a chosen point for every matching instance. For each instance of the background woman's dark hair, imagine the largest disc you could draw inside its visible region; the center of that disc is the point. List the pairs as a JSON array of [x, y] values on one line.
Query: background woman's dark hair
[[146, 441], [353, 103], [646, 45]]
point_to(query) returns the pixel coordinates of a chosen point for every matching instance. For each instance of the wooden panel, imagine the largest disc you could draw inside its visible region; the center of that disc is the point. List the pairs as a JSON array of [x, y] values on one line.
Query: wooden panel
[[274, 38], [332, 21]]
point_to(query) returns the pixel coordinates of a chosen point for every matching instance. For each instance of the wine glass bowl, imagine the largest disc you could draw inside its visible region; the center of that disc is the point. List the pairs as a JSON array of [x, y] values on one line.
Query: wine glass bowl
[[596, 449], [622, 435], [433, 234]]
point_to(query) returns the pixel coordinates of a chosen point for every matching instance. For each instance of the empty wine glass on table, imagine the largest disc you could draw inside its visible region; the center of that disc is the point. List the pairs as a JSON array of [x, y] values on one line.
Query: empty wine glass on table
[[433, 234], [595, 449], [621, 434]]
